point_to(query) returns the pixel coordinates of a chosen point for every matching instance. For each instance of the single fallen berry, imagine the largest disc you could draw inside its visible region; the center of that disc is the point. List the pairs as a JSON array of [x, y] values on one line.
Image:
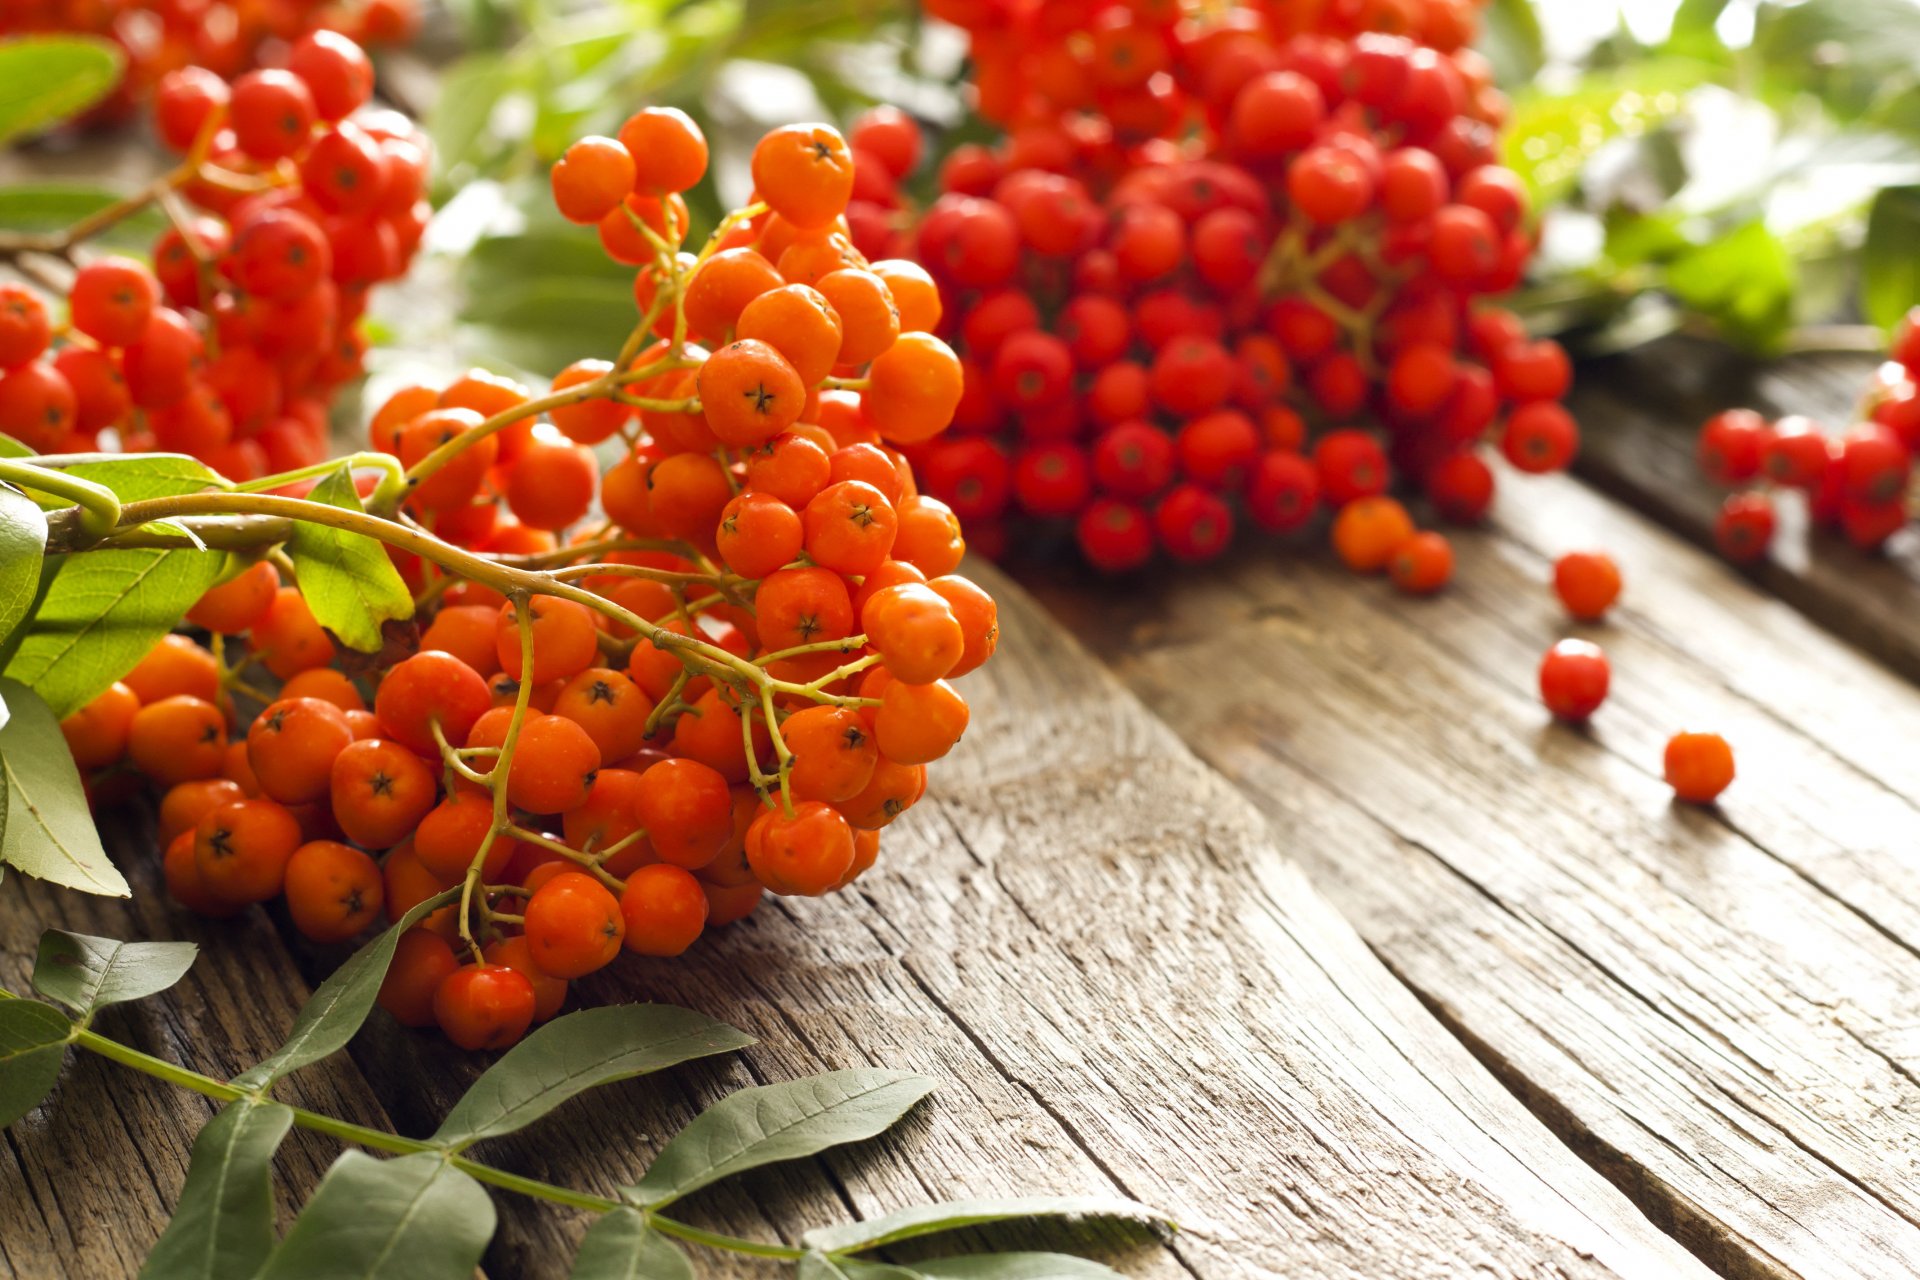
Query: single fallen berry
[[1698, 766], [1587, 582], [1574, 677]]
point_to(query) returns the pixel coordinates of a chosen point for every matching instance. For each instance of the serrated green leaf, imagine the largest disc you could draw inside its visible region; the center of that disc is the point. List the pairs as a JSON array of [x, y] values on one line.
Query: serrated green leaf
[[46, 79], [1014, 1266], [150, 475], [23, 543], [40, 208], [33, 1040], [223, 1225], [926, 1219], [818, 1266], [414, 1218], [49, 832], [86, 973], [776, 1122], [578, 1052], [1890, 265], [102, 614], [332, 1014], [621, 1246], [346, 578]]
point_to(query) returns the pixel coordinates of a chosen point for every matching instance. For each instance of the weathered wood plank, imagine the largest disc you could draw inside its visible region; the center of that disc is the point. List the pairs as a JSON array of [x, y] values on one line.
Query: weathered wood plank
[[1129, 988], [1640, 415], [88, 1179], [1713, 1006]]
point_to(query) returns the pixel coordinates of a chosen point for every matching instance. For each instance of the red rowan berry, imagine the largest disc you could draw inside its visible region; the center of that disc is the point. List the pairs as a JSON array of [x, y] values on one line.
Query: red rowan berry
[[1698, 766], [1573, 679]]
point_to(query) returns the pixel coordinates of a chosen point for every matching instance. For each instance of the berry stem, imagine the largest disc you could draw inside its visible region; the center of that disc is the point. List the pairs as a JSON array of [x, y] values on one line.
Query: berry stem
[[99, 507]]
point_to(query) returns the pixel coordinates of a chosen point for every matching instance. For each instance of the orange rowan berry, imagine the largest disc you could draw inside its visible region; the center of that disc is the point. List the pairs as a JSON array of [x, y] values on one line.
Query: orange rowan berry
[[564, 639], [1698, 766], [929, 536], [664, 910], [591, 178], [801, 606], [549, 992], [1587, 582], [913, 388], [833, 754], [623, 494], [178, 739], [380, 791], [288, 639], [869, 319], [758, 533], [915, 631], [797, 321], [914, 293], [916, 723], [891, 790], [235, 769], [97, 733], [669, 151], [686, 494], [422, 960], [654, 668], [573, 925], [872, 465], [866, 851], [292, 745], [610, 815], [467, 632], [408, 883], [728, 904], [484, 1006], [610, 707], [850, 527], [328, 685], [334, 891], [624, 242], [242, 847], [182, 807], [553, 766], [749, 393], [182, 875], [720, 290], [804, 855], [979, 620], [174, 666], [804, 172], [1422, 564], [710, 733], [589, 421], [448, 836], [427, 689], [400, 408], [686, 809], [790, 467], [364, 724], [891, 573], [489, 395], [239, 602], [1369, 530], [504, 690], [461, 476]]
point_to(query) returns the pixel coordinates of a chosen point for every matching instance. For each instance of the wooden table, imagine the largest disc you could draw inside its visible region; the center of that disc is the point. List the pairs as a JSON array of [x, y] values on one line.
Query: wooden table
[[1279, 905]]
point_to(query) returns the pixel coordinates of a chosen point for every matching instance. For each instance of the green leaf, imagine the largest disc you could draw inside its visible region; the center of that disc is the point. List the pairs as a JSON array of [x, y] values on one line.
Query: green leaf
[[11, 448], [818, 1266], [10, 643], [86, 974], [347, 579], [23, 543], [50, 832], [1014, 1266], [33, 1039], [40, 208], [223, 1225], [469, 91], [1743, 281], [1551, 135], [150, 475], [581, 1051], [46, 79], [621, 1246], [414, 1218], [101, 615], [926, 1219], [1890, 264], [777, 1122], [1511, 37], [332, 1015]]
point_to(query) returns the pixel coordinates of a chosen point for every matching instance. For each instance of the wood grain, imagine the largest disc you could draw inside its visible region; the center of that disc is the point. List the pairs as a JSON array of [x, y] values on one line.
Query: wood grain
[[1640, 416], [1713, 1006]]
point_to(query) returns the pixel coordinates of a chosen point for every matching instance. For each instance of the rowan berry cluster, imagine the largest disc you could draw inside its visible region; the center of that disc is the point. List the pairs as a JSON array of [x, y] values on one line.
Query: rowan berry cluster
[[617, 728], [1855, 482], [226, 38], [230, 346], [1220, 271]]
